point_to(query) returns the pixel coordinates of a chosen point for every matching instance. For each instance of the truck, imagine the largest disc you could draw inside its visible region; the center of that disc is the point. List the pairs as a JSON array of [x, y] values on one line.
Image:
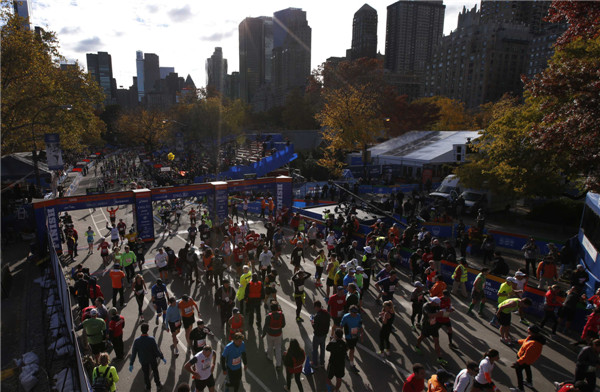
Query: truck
[[474, 199]]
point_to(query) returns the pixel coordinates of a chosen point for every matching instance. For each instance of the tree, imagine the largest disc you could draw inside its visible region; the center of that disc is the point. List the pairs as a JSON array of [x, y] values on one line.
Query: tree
[[451, 114], [298, 112], [36, 93], [567, 93], [351, 120], [143, 127], [506, 160]]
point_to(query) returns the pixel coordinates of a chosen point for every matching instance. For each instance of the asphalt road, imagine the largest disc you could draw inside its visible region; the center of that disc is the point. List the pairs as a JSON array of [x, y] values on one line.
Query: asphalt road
[[472, 335]]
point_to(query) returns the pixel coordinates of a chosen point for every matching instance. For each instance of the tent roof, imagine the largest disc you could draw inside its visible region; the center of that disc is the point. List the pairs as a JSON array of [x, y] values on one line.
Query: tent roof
[[425, 146], [20, 164]]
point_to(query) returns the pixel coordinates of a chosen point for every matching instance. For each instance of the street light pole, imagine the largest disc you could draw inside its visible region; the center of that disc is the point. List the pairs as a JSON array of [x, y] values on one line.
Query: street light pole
[[35, 157]]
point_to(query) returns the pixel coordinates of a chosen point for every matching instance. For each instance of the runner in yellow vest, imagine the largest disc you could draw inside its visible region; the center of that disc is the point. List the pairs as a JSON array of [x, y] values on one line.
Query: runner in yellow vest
[[244, 279], [459, 278]]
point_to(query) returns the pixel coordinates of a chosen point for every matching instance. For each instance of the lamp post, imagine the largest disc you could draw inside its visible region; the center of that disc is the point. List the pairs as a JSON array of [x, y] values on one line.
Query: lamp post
[[35, 158]]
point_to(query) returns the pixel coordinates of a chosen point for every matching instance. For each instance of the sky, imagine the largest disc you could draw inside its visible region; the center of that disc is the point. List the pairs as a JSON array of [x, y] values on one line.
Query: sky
[[184, 33]]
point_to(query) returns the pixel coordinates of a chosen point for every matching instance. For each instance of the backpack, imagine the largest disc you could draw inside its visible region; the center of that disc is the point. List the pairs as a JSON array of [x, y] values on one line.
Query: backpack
[[103, 382]]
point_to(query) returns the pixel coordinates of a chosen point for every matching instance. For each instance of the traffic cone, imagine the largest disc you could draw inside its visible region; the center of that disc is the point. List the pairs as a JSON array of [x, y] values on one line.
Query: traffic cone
[[308, 370]]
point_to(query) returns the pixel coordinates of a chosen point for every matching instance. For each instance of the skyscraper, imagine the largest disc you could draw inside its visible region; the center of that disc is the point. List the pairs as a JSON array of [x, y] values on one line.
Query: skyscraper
[[413, 29], [252, 37], [22, 8], [216, 69], [139, 65], [165, 71], [364, 33], [151, 73], [100, 67], [479, 62], [291, 52]]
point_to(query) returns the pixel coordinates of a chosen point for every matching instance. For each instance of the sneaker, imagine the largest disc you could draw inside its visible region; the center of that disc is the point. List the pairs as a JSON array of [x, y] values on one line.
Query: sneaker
[[380, 353], [413, 328], [176, 351], [452, 346], [141, 317], [388, 353], [442, 361], [418, 325], [354, 369], [470, 312], [418, 350], [299, 319], [528, 384], [525, 322], [557, 385]]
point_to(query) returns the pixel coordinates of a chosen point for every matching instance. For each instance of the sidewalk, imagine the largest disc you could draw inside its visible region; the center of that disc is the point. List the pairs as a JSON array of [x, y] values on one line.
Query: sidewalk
[[22, 315]]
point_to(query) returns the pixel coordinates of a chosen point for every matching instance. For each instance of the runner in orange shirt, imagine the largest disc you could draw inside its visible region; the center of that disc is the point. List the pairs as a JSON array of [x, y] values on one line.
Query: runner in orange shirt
[[117, 275], [186, 307]]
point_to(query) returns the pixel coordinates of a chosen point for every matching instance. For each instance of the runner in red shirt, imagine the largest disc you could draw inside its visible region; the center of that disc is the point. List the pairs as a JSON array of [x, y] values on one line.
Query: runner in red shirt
[[336, 304], [113, 214], [240, 257], [416, 381], [115, 330], [192, 215], [122, 227], [104, 250]]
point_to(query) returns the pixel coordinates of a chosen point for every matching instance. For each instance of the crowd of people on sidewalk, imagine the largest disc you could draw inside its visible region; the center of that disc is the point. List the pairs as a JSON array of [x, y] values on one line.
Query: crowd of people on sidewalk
[[241, 271]]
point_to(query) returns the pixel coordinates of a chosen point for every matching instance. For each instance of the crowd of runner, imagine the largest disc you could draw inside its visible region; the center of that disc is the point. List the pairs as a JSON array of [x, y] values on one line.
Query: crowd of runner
[[240, 268]]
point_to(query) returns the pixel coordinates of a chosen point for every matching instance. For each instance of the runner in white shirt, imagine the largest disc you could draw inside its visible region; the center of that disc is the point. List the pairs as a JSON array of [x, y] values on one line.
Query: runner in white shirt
[[331, 241], [161, 260], [202, 366], [464, 379], [114, 235], [483, 379]]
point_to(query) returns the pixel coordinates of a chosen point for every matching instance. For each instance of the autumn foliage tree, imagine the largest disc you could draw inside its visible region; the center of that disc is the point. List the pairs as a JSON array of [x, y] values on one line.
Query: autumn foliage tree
[[36, 92], [143, 127], [567, 93]]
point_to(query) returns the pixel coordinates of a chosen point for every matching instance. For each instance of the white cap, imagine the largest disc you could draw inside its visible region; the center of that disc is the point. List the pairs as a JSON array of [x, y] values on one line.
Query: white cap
[[511, 279], [519, 273], [368, 249], [435, 300]]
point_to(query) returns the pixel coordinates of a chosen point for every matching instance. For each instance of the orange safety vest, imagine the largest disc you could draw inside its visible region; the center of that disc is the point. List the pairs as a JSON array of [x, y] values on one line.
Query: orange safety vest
[[254, 289]]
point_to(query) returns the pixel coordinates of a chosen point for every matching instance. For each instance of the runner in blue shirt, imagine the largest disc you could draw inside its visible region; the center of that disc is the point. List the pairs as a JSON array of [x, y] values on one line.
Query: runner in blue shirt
[[160, 296], [90, 239], [352, 324], [231, 360], [387, 286], [173, 318]]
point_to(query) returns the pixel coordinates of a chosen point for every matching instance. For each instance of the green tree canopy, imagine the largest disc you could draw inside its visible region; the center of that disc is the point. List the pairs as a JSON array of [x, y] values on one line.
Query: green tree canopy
[[38, 95]]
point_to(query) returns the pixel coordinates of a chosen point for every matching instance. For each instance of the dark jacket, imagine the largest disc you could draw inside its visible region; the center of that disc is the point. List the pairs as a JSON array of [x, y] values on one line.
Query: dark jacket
[[321, 322], [146, 348]]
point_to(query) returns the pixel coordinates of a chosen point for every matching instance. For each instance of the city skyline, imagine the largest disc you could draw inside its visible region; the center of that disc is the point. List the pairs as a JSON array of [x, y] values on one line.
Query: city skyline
[[183, 36]]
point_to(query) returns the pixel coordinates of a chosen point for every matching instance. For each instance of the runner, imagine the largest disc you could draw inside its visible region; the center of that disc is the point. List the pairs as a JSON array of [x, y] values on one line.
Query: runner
[[273, 328], [529, 352], [192, 232], [477, 293], [337, 360], [202, 366], [122, 228], [104, 247], [299, 295], [504, 311], [336, 304], [186, 306], [198, 336], [332, 266], [431, 310], [235, 324], [115, 330], [90, 239], [139, 291], [160, 296], [386, 317], [245, 277], [116, 276], [416, 381], [353, 329], [112, 212], [483, 380], [443, 321], [417, 298], [173, 318], [294, 360], [225, 301], [161, 260], [232, 358]]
